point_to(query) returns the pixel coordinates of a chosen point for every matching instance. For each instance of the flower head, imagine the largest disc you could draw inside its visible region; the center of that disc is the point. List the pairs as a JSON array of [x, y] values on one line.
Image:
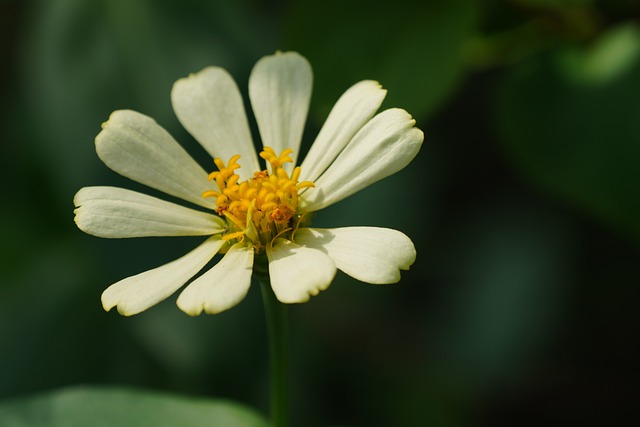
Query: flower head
[[251, 212]]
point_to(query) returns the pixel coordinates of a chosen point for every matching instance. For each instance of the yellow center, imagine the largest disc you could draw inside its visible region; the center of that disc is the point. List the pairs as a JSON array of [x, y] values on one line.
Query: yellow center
[[262, 207]]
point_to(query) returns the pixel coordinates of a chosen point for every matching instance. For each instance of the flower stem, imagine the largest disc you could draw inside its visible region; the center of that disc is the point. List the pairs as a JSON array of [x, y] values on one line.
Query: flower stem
[[277, 330]]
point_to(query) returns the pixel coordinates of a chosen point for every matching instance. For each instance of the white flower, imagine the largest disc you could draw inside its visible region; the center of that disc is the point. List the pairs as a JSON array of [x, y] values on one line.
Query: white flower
[[253, 212]]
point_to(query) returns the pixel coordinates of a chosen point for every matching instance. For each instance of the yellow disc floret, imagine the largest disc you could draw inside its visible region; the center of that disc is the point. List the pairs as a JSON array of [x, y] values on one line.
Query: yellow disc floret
[[262, 207]]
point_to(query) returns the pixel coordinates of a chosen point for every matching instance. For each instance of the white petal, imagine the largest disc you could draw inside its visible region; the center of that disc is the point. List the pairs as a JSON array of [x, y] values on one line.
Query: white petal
[[369, 254], [210, 107], [386, 144], [280, 90], [297, 272], [354, 108], [222, 287], [135, 146], [116, 213], [137, 293]]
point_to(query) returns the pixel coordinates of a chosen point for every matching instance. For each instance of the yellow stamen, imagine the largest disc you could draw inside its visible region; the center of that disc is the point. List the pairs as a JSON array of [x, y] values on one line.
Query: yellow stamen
[[234, 219], [263, 207], [231, 236]]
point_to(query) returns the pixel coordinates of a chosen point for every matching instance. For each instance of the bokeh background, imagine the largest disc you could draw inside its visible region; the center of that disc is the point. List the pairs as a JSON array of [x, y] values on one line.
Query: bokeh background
[[523, 205]]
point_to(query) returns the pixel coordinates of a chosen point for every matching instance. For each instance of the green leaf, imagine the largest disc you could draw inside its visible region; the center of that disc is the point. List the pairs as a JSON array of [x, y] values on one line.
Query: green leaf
[[570, 120], [412, 48], [610, 57], [108, 407]]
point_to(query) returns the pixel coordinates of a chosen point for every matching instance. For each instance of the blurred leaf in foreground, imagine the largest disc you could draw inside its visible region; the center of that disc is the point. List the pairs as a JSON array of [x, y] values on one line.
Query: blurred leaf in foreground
[[97, 407]]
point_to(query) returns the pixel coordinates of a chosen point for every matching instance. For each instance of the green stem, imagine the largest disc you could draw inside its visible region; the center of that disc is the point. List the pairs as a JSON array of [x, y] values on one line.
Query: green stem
[[277, 329]]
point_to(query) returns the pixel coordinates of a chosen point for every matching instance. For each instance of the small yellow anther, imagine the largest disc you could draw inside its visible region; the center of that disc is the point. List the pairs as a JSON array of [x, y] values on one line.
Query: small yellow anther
[[263, 207], [210, 193], [231, 236]]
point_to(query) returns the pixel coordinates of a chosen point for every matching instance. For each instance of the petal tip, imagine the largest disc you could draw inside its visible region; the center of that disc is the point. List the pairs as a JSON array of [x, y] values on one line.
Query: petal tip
[[193, 311], [107, 303], [290, 299]]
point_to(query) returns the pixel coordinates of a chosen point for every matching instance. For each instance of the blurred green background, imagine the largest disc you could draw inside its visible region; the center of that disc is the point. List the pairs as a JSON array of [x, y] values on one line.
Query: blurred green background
[[523, 205]]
